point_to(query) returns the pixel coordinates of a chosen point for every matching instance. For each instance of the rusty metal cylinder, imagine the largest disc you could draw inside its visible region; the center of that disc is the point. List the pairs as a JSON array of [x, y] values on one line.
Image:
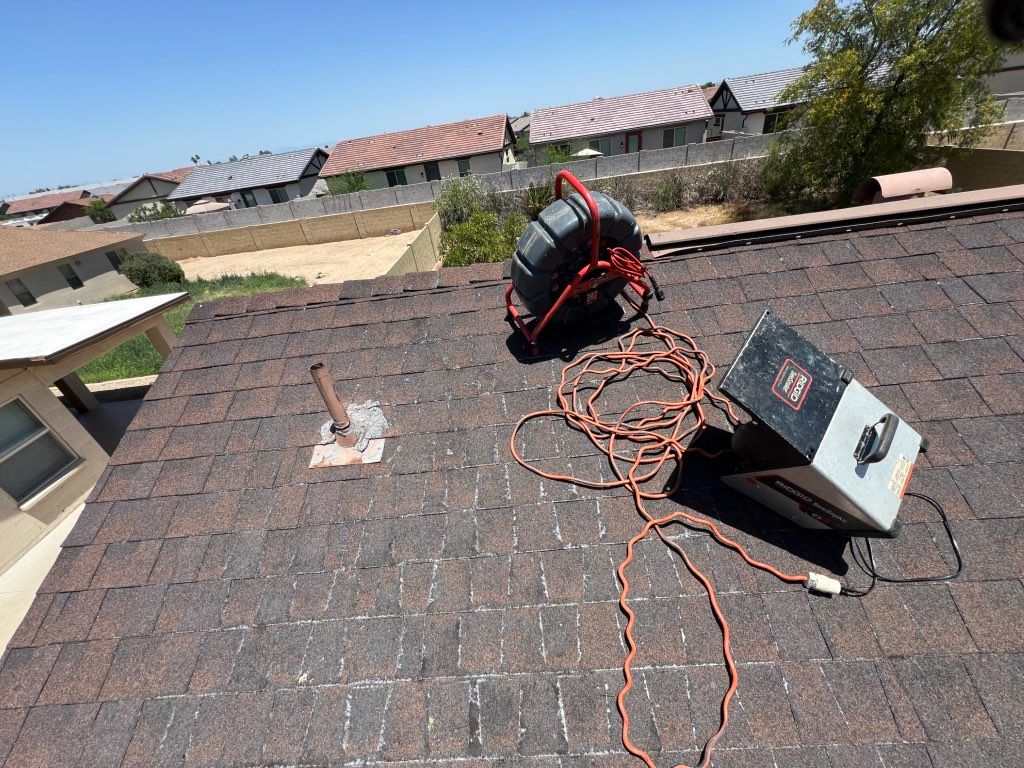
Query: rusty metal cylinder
[[324, 383]]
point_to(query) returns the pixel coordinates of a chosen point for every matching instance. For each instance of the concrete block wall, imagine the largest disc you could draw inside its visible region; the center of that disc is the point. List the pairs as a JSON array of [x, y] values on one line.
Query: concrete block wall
[[423, 254], [373, 213], [982, 168]]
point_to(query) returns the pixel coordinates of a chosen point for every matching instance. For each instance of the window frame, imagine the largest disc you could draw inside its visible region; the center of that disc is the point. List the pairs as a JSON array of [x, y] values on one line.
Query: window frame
[[595, 144], [275, 192], [71, 278], [432, 165], [245, 200], [775, 118], [74, 460], [115, 260], [464, 171], [19, 295], [396, 177]]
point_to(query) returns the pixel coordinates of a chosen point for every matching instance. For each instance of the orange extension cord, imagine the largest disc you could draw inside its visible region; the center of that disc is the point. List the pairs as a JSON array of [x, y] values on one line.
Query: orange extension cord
[[637, 449]]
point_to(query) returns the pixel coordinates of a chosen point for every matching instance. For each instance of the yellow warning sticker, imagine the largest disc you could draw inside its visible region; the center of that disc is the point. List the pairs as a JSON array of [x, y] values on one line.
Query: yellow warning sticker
[[900, 475]]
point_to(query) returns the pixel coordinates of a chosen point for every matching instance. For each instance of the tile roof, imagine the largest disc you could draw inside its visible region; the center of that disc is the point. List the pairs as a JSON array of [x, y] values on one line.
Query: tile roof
[[39, 202], [418, 145], [175, 175], [24, 247], [668, 106], [755, 93], [218, 603], [248, 173]]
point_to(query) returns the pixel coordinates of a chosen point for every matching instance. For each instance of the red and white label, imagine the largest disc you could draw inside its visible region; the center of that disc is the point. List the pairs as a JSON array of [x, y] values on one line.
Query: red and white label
[[792, 384]]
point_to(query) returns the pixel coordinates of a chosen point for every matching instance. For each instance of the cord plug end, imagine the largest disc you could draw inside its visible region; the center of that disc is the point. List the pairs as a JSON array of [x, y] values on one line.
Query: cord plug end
[[824, 585]]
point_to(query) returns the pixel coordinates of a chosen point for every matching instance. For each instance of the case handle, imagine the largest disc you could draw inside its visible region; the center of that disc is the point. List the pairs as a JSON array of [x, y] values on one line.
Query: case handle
[[870, 449]]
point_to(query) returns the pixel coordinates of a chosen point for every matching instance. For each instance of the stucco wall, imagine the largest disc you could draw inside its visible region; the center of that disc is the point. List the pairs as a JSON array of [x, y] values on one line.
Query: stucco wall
[[491, 162], [148, 191], [100, 281], [21, 527], [982, 168], [653, 138]]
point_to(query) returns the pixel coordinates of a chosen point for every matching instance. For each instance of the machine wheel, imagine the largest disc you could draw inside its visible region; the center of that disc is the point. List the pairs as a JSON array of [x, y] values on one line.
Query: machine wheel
[[556, 246]]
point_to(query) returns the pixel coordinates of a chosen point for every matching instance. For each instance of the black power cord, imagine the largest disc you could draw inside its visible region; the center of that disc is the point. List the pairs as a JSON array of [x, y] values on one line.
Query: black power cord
[[867, 563]]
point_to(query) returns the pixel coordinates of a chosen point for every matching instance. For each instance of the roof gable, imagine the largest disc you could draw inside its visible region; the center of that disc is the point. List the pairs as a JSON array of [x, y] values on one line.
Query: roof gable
[[668, 106], [419, 145], [248, 173], [756, 93]]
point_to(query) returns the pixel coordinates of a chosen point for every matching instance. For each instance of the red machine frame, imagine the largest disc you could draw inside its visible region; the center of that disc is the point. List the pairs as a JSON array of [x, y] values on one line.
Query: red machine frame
[[595, 272]]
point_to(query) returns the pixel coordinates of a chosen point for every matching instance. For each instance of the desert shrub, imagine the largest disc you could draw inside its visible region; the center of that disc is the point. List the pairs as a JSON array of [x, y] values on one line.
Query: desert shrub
[[154, 212], [148, 269], [668, 194], [459, 199], [624, 189], [97, 210], [535, 198], [353, 181], [483, 237]]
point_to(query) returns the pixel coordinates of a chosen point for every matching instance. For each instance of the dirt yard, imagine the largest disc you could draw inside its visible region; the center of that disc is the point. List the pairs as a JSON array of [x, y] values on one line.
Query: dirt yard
[[323, 263], [706, 216]]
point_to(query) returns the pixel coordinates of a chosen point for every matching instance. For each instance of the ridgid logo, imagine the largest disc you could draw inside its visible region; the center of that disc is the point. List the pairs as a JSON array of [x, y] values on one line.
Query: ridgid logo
[[791, 384]]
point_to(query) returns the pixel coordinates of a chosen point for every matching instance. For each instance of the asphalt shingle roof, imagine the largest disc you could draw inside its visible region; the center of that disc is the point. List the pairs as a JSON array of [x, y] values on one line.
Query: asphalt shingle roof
[[668, 106], [41, 202], [219, 603], [24, 247], [756, 93], [248, 173]]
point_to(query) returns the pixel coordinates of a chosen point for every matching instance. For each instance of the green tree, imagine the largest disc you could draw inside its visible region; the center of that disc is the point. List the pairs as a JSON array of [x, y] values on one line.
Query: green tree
[[353, 181], [555, 153], [154, 212], [97, 210], [884, 73]]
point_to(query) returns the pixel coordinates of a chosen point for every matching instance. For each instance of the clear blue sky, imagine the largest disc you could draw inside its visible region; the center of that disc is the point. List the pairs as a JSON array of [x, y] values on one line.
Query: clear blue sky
[[101, 91]]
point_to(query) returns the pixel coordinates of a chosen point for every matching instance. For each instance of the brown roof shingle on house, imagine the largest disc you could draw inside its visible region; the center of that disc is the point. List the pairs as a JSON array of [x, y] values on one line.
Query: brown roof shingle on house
[[219, 603], [24, 247], [668, 106], [41, 202], [419, 145]]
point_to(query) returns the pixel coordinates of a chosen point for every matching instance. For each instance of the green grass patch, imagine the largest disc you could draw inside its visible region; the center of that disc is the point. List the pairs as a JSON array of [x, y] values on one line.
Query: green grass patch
[[138, 357]]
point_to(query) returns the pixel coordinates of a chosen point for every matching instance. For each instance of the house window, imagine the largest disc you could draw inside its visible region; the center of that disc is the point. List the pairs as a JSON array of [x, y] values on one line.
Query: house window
[[773, 122], [115, 260], [21, 293], [70, 276], [432, 171], [31, 457], [464, 167], [604, 146], [673, 137], [278, 195], [396, 177], [248, 198]]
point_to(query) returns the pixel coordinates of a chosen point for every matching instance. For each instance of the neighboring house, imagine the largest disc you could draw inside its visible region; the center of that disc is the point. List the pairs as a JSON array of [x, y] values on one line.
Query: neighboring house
[[148, 189], [70, 210], [1010, 77], [431, 153], [618, 125], [521, 125], [25, 211], [252, 181], [48, 459], [42, 268], [751, 104]]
